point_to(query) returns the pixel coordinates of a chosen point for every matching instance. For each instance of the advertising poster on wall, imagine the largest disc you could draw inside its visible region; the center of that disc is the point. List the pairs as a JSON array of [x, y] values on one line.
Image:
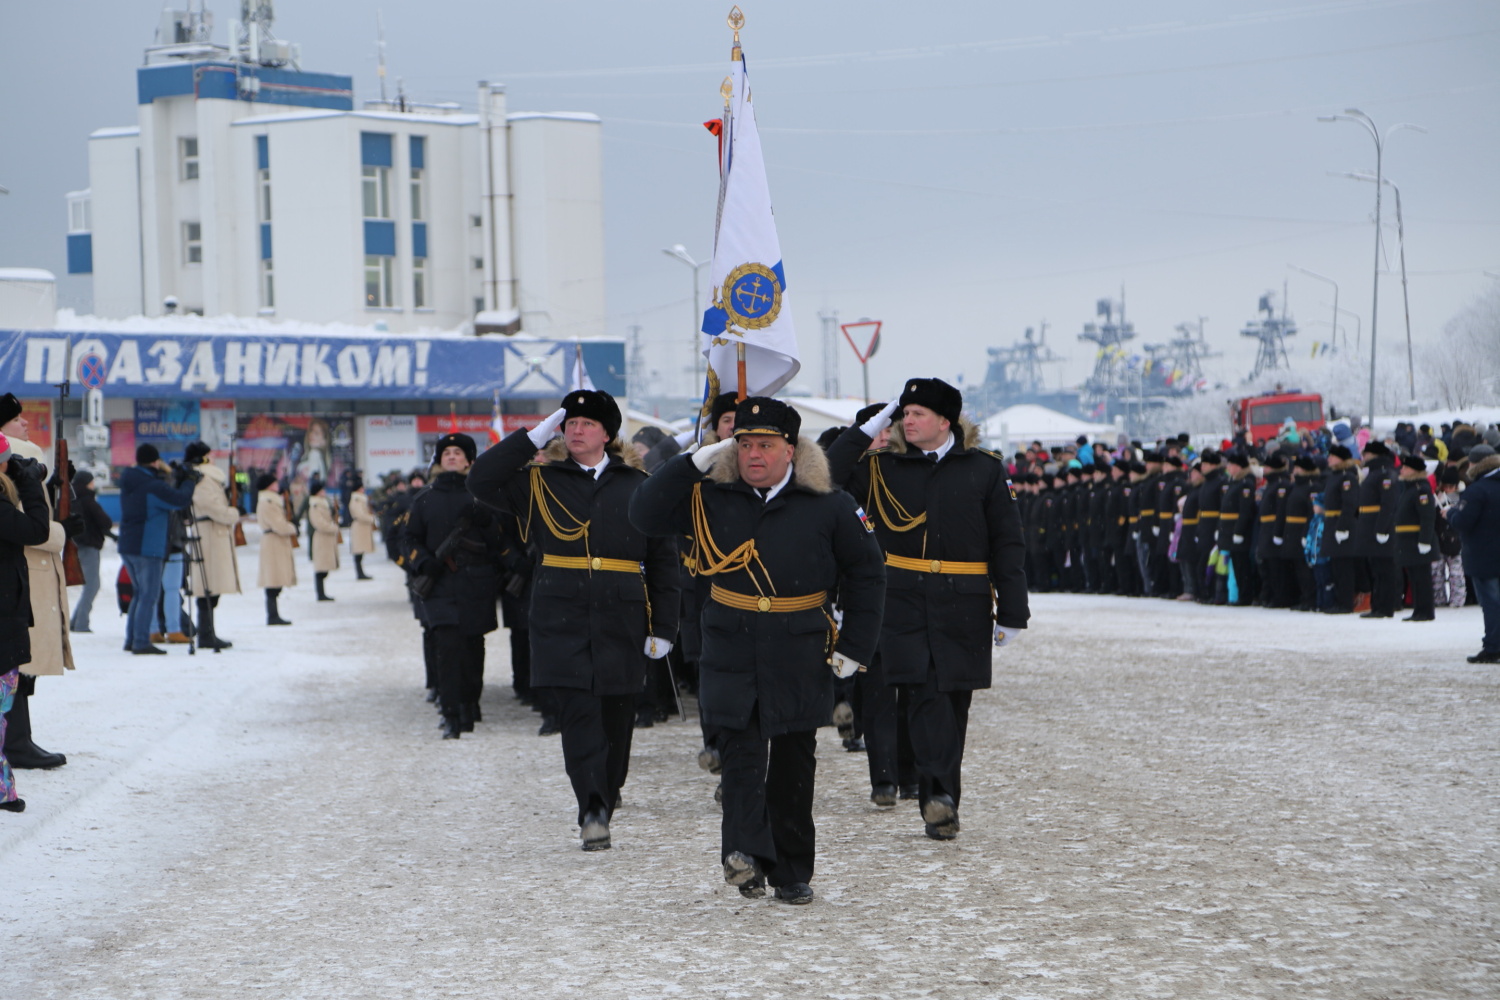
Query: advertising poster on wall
[[38, 414], [476, 425], [296, 448], [169, 424], [218, 426]]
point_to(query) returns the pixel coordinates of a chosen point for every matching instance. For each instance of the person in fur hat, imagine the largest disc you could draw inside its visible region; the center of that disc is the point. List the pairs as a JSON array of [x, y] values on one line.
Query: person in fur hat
[[605, 596], [946, 517], [778, 540]]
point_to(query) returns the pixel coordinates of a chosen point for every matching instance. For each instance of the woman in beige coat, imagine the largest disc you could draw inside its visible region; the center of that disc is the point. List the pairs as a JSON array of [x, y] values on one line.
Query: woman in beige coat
[[278, 538], [325, 540], [213, 521], [362, 528], [51, 651]]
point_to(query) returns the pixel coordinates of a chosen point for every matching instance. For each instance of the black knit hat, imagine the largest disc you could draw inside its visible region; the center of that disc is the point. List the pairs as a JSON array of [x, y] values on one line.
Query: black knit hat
[[592, 404], [764, 415], [935, 394], [195, 453], [1305, 464], [1449, 476], [649, 436], [1340, 451], [1238, 458], [10, 408], [463, 441], [724, 402], [145, 454], [264, 481]]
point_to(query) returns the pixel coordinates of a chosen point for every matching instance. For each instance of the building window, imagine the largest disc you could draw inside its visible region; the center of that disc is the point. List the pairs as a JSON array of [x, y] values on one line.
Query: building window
[[419, 282], [478, 263], [263, 194], [267, 285], [380, 287], [187, 148], [377, 188], [418, 201], [192, 242], [476, 221], [478, 306], [80, 214]]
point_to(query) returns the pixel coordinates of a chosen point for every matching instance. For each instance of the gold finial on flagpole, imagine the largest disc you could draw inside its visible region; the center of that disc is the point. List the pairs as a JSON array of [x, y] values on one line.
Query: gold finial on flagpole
[[736, 22], [726, 90]]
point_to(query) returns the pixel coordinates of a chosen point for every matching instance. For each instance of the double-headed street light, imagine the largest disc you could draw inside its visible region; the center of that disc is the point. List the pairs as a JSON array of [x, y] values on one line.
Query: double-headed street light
[[1365, 121], [1335, 284], [680, 252]]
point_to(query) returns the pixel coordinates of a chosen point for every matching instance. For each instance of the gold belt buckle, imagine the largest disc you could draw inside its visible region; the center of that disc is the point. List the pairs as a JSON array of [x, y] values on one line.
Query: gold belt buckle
[[937, 565], [764, 604], [595, 562]]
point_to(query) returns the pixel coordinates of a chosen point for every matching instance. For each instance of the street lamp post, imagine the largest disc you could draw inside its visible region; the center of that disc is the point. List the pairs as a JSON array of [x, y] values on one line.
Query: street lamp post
[[1335, 284], [1358, 330], [680, 252], [1365, 121]]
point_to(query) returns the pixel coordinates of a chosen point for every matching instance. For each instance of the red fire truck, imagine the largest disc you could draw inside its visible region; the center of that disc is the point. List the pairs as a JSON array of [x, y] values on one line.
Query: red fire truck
[[1262, 417]]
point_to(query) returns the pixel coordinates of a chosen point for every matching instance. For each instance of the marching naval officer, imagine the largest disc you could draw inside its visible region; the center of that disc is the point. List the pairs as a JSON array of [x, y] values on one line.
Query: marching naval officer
[[777, 539], [956, 572], [604, 597]]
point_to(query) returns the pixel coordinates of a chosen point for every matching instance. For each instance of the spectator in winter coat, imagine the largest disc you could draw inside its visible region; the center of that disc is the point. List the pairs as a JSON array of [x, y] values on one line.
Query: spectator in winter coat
[[24, 520], [1476, 518], [146, 503], [97, 526]]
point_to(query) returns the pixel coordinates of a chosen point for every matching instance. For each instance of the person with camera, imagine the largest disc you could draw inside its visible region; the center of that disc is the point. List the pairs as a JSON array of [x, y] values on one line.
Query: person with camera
[[147, 501], [24, 521], [453, 548]]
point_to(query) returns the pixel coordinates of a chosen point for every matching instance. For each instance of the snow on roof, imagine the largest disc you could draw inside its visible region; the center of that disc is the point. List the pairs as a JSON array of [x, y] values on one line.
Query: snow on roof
[[26, 274], [286, 116], [68, 320], [562, 116], [115, 133], [1030, 422]]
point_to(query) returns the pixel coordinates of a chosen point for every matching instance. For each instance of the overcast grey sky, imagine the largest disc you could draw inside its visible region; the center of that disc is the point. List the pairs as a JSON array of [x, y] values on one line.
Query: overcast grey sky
[[958, 170]]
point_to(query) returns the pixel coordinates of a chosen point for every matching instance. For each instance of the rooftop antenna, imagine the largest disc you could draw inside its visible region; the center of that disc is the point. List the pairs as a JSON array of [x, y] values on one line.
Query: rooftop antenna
[[380, 50]]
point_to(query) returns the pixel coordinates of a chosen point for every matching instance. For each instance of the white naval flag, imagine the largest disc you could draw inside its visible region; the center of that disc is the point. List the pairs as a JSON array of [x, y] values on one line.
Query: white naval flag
[[747, 285]]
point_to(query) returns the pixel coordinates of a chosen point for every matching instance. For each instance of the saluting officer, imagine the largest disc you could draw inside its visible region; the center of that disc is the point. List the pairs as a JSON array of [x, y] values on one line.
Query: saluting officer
[[1374, 529], [1340, 507], [1416, 535], [956, 578], [778, 540], [604, 597]]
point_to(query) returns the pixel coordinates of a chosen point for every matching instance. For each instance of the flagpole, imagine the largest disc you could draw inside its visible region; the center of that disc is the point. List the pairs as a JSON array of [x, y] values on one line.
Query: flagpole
[[736, 22]]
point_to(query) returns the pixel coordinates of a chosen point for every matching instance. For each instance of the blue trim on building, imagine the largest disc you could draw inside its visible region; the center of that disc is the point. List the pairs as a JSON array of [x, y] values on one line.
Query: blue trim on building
[[419, 239], [80, 253], [262, 152], [380, 238], [418, 153], [220, 81], [265, 241], [375, 149]]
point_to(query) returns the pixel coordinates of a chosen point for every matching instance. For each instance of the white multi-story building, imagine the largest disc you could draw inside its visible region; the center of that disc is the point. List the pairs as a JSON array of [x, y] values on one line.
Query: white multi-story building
[[251, 187]]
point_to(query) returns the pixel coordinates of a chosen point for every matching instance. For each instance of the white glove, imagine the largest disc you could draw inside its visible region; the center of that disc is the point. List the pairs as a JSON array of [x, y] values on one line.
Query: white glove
[[1278, 541], [1239, 539], [1005, 636], [547, 429], [1423, 548], [1341, 537], [1156, 529], [685, 438], [881, 420], [843, 667], [704, 457], [1134, 535], [1382, 539], [657, 648], [838, 617]]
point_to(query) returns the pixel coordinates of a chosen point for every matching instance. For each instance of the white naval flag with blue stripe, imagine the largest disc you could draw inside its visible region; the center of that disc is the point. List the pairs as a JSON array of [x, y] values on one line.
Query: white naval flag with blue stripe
[[747, 300]]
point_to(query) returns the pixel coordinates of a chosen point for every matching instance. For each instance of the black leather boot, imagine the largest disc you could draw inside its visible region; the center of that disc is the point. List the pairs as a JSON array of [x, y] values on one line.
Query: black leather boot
[[318, 579], [207, 637], [359, 569], [273, 616], [20, 750]]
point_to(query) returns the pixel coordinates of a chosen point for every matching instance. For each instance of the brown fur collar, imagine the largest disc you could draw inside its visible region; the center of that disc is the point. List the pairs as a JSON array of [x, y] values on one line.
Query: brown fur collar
[[810, 467], [1483, 467], [968, 433], [557, 450]]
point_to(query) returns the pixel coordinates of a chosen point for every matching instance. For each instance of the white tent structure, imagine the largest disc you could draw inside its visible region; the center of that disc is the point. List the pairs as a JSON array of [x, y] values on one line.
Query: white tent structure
[[1019, 425]]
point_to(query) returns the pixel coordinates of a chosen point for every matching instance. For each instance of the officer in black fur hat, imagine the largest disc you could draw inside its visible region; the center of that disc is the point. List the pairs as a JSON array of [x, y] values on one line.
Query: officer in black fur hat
[[1339, 505], [1375, 528], [777, 540], [604, 595], [946, 518]]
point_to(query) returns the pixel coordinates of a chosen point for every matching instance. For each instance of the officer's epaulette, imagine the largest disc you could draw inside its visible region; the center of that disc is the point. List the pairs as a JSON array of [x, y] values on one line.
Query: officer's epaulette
[[993, 454]]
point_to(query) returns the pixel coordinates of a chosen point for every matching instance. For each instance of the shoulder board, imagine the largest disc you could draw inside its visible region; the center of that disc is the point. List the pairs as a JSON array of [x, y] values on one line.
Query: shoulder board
[[993, 454]]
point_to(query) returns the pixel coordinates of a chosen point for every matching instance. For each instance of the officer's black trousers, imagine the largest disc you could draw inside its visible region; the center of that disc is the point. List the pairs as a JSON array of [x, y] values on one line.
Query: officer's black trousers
[[1421, 590], [768, 797], [459, 663], [1385, 581], [429, 658], [887, 735], [939, 723], [1107, 581], [520, 660], [1344, 570], [596, 734]]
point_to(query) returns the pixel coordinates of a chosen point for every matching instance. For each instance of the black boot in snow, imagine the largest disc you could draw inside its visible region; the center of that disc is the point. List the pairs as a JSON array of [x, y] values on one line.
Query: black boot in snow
[[359, 569], [273, 616], [207, 637], [318, 579]]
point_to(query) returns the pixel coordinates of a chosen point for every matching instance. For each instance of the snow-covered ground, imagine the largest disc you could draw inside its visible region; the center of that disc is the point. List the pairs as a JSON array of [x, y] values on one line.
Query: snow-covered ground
[[1160, 801]]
